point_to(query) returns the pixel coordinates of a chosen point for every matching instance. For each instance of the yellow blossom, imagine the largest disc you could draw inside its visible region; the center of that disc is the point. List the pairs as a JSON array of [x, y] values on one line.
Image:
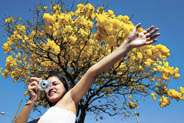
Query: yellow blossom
[[124, 19], [163, 49], [9, 20], [149, 52], [67, 29], [174, 94], [139, 55], [6, 47], [165, 76], [21, 28], [48, 18], [132, 57], [110, 13], [56, 8], [83, 32], [89, 8], [182, 90], [80, 8], [47, 63], [176, 73], [132, 105], [148, 62], [9, 58], [141, 68], [52, 46], [10, 61], [13, 74], [73, 38], [117, 25], [164, 101]]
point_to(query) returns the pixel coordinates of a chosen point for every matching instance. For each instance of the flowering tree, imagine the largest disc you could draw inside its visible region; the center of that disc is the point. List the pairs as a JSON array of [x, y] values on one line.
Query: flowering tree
[[72, 41]]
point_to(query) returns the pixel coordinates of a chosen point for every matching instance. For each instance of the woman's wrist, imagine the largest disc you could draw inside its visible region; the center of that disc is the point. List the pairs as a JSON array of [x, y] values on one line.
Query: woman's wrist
[[125, 45], [30, 102]]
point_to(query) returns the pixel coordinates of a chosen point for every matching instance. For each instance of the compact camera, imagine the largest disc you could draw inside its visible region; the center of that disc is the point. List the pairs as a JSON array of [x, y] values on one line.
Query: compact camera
[[44, 84]]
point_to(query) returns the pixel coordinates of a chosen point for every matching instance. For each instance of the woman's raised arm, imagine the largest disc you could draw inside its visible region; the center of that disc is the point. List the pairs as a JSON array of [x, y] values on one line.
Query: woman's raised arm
[[135, 39]]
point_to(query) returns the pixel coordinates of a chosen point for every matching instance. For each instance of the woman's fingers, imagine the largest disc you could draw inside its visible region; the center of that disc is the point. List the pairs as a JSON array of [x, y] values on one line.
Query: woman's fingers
[[33, 83], [138, 26], [33, 86], [153, 37], [33, 90], [152, 32], [150, 42], [34, 79], [149, 29]]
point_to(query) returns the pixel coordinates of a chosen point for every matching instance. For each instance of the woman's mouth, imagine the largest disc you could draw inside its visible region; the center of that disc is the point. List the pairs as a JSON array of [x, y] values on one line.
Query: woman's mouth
[[52, 92]]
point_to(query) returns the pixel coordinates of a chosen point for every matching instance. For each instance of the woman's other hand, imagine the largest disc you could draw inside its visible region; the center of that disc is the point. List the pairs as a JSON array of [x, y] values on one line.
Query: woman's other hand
[[33, 88], [137, 39]]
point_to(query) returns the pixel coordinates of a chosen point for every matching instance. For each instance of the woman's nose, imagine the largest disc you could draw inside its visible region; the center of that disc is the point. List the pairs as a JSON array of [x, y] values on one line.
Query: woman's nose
[[50, 86]]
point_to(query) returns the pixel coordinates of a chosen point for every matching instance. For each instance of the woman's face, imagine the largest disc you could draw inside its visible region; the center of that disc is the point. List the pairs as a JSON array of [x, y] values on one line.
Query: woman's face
[[56, 90]]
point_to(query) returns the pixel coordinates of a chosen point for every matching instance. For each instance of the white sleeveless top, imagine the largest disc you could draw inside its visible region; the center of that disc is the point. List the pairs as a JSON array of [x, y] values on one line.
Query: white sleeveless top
[[57, 115]]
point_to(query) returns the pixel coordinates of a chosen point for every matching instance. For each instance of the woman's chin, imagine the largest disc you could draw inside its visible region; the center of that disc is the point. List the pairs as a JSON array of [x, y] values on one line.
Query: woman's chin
[[54, 99]]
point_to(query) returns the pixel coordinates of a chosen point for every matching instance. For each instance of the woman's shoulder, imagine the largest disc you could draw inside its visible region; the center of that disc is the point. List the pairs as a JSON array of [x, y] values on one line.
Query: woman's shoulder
[[34, 121]]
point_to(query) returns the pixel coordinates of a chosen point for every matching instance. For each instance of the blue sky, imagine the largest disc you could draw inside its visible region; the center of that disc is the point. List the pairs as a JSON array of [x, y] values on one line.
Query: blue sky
[[166, 14]]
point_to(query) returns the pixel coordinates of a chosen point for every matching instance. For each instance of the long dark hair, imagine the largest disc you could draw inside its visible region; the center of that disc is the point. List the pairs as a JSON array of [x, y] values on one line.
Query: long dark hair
[[61, 78]]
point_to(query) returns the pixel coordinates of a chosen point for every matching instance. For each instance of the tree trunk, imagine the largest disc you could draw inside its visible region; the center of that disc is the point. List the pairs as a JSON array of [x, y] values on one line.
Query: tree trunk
[[81, 114]]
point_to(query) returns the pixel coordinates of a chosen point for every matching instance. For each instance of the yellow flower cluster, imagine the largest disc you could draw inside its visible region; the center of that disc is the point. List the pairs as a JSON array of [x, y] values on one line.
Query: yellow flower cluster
[[72, 38], [10, 61], [49, 19], [6, 47], [56, 8], [182, 90], [154, 58], [132, 105], [51, 46], [174, 94], [163, 50], [111, 28], [171, 93], [17, 35], [47, 64], [9, 20], [21, 28], [68, 29], [85, 10], [166, 70], [57, 23], [164, 101], [83, 22]]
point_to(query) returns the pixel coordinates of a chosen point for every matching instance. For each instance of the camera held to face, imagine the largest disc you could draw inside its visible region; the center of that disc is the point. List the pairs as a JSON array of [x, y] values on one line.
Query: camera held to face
[[44, 84]]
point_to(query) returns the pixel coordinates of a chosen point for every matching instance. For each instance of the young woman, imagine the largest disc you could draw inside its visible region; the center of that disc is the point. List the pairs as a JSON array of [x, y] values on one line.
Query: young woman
[[64, 102]]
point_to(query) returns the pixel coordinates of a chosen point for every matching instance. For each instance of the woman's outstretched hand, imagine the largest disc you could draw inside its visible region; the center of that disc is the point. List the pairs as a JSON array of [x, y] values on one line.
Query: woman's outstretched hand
[[137, 39]]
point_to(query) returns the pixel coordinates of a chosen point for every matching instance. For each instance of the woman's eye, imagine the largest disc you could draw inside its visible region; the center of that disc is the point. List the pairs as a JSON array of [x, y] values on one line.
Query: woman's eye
[[55, 83]]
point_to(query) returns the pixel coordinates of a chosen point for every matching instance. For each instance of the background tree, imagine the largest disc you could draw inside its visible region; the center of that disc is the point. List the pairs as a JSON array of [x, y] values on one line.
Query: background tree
[[72, 41]]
